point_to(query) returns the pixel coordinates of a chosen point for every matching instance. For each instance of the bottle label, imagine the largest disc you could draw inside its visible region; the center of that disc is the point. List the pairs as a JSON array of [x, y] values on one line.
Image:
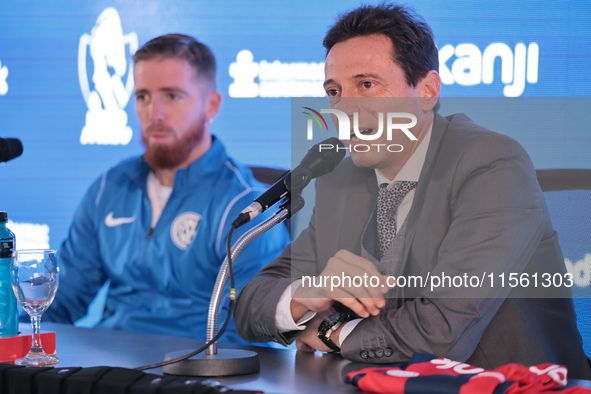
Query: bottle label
[[6, 246]]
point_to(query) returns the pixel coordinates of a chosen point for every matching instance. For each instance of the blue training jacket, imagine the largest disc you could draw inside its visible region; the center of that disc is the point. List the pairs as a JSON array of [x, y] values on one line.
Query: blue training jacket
[[162, 278]]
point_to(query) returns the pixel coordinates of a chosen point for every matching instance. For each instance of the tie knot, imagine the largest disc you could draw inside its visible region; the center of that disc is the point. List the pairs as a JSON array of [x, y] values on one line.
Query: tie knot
[[397, 192]]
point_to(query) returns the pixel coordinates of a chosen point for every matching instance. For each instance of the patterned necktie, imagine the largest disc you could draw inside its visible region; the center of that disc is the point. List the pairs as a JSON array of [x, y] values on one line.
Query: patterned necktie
[[389, 199]]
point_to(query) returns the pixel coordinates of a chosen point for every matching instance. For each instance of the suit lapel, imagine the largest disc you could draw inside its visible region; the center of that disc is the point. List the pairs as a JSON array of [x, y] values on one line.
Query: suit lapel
[[359, 204]]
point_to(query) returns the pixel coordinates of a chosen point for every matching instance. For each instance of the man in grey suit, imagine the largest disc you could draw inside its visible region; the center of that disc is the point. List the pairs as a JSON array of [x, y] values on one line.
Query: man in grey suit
[[459, 201]]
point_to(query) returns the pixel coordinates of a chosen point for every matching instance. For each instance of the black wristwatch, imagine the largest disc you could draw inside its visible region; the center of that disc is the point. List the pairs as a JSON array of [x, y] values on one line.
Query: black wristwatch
[[330, 325]]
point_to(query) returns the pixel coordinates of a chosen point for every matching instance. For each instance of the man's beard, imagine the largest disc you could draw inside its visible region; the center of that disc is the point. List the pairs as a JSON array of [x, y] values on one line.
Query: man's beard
[[169, 156]]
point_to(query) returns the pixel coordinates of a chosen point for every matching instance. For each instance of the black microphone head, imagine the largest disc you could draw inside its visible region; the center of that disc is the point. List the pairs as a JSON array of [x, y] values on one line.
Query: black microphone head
[[323, 157], [10, 148]]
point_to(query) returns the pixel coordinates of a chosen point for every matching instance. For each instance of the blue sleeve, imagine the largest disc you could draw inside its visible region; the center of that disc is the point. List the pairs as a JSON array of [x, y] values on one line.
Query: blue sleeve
[[257, 254], [81, 272]]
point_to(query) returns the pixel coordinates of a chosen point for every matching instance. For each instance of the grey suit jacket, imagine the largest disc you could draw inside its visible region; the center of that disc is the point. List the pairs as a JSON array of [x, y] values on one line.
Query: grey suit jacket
[[477, 208]]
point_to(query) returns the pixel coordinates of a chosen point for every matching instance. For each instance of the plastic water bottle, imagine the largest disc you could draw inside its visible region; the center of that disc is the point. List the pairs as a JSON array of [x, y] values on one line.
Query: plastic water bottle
[[8, 303]]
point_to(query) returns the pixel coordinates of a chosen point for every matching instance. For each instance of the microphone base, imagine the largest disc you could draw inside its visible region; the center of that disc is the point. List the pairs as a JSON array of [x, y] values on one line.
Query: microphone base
[[227, 362]]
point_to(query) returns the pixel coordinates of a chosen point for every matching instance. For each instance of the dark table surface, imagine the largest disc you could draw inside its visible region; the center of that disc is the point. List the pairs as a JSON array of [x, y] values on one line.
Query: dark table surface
[[282, 370]]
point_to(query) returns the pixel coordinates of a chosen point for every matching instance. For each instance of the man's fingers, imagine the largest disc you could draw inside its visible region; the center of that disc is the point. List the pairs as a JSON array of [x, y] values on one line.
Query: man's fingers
[[347, 270], [362, 300], [358, 261], [301, 345], [365, 301], [362, 307], [373, 305], [349, 279], [357, 284]]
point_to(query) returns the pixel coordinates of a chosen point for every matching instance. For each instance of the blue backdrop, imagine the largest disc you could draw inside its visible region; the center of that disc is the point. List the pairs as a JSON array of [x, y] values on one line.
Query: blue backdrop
[[45, 54], [75, 124]]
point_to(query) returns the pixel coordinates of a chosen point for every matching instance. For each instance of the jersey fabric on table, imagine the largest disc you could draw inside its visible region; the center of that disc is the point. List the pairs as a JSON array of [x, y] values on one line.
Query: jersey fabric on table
[[426, 373]]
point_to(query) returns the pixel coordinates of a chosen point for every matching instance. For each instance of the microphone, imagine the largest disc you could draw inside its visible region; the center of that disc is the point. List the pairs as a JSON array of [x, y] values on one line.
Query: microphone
[[321, 159], [10, 148]]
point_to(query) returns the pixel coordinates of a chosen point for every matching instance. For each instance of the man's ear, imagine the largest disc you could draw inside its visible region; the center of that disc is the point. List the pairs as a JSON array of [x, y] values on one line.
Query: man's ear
[[214, 100], [429, 88]]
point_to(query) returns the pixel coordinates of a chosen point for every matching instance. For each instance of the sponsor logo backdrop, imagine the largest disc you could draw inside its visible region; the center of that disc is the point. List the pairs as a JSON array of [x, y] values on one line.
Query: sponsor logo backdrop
[[66, 81]]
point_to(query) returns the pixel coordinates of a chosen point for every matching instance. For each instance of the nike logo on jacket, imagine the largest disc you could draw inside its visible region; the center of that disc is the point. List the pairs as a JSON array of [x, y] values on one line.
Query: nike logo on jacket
[[110, 221]]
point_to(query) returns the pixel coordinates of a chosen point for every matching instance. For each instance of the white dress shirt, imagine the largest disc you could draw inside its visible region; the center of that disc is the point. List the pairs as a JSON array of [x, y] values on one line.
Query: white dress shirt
[[158, 196]]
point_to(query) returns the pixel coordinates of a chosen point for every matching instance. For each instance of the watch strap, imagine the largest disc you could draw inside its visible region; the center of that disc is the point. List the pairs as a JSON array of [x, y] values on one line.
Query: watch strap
[[330, 325]]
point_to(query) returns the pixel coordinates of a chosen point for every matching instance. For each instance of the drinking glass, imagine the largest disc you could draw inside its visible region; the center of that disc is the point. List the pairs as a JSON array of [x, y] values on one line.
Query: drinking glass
[[35, 278]]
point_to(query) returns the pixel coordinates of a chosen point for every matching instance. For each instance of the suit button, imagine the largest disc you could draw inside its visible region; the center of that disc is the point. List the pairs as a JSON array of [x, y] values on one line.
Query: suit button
[[363, 354], [387, 352], [371, 354], [379, 352]]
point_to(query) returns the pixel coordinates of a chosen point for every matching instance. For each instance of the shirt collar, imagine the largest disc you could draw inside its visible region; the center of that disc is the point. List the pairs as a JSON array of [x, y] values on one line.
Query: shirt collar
[[412, 168]]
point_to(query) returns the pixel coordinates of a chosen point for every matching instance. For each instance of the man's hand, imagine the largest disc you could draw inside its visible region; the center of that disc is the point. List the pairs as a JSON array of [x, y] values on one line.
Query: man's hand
[[351, 280], [309, 341]]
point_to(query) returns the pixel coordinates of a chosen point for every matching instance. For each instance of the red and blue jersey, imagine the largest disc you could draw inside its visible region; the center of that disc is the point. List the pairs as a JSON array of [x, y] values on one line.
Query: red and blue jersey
[[430, 374]]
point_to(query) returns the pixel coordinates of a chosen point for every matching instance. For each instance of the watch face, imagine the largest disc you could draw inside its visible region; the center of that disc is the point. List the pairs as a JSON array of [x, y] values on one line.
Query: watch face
[[325, 326], [329, 322]]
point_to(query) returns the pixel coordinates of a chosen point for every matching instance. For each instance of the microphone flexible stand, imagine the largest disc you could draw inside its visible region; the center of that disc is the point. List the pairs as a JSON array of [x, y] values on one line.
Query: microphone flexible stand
[[227, 362]]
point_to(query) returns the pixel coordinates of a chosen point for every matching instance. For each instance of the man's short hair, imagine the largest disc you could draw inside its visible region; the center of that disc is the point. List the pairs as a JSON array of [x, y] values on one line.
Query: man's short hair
[[181, 46], [414, 48]]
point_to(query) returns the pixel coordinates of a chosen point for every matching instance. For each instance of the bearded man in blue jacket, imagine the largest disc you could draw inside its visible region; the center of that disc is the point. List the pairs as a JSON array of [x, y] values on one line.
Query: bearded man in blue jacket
[[156, 225]]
